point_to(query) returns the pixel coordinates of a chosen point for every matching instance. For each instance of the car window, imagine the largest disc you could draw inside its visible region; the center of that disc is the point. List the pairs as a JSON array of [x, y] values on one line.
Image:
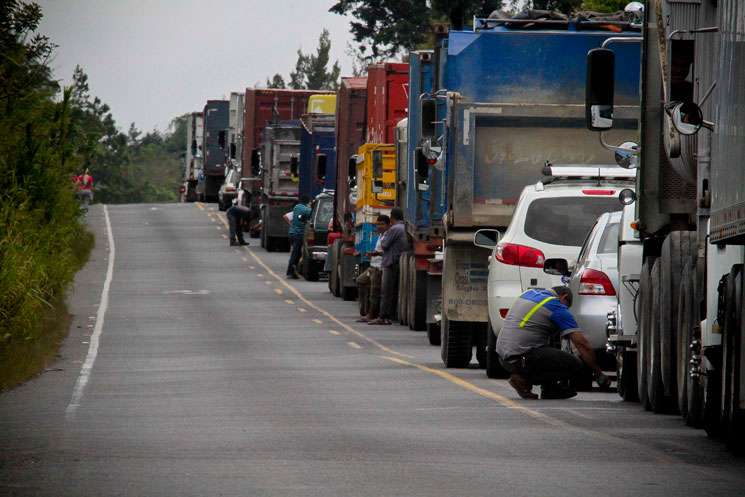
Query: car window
[[609, 240], [565, 220], [586, 245], [324, 211]]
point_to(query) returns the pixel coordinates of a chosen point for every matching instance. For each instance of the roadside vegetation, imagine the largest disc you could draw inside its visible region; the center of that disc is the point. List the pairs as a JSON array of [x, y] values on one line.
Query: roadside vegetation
[[48, 133]]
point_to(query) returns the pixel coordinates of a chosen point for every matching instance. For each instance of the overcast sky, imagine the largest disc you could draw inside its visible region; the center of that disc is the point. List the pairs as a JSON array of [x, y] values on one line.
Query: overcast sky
[[152, 60]]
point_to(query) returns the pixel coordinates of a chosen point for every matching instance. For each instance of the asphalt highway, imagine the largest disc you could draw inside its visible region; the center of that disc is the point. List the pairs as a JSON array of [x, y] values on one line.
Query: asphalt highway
[[195, 369]]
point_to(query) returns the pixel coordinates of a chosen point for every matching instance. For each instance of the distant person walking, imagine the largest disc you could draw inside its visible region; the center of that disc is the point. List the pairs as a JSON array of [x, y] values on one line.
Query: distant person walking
[[394, 244], [369, 281], [300, 215], [237, 215], [84, 184]]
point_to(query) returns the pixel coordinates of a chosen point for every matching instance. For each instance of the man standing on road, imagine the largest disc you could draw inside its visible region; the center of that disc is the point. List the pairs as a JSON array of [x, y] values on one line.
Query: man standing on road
[[300, 215], [535, 320], [237, 215], [369, 281], [394, 244]]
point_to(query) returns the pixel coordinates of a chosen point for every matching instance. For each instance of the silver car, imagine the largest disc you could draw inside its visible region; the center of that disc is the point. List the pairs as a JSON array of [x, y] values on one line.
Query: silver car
[[594, 280]]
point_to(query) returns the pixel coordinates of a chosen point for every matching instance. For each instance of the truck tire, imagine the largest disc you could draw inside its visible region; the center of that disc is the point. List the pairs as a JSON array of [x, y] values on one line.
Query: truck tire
[[433, 333], [685, 324], [655, 388], [332, 264], [494, 369], [730, 360], [678, 249], [347, 293], [645, 312], [262, 235], [456, 347], [403, 289], [418, 299], [626, 381]]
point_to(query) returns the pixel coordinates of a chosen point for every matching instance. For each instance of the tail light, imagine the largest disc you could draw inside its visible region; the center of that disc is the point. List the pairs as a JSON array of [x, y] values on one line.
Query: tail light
[[593, 282], [519, 255], [503, 312]]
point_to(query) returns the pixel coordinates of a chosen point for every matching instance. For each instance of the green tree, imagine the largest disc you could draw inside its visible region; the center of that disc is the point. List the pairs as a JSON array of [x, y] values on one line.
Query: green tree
[[311, 70], [277, 81]]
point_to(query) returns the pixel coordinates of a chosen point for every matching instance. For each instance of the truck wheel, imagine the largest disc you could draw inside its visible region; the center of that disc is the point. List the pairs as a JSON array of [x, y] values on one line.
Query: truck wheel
[[730, 353], [494, 369], [310, 272], [455, 346], [685, 324], [713, 394], [403, 290], [433, 333], [645, 312], [418, 304], [655, 388], [626, 382], [334, 275], [677, 250]]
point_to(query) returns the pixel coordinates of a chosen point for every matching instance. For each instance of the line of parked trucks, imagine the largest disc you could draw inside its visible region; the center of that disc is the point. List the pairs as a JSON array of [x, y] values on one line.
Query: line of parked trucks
[[498, 144]]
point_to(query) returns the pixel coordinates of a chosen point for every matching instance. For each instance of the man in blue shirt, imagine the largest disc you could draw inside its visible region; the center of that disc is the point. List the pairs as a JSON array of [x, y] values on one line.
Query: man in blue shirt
[[538, 319], [300, 215]]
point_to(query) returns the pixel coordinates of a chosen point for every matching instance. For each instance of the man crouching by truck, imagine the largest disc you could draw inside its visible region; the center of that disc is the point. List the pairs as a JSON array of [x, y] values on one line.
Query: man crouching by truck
[[526, 345]]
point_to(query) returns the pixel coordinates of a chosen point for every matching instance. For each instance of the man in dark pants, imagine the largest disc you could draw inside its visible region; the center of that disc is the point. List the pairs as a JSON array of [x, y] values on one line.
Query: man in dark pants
[[300, 215], [393, 244], [536, 319], [237, 215]]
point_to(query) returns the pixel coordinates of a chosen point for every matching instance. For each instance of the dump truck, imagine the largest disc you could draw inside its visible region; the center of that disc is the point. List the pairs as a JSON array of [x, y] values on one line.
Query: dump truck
[[318, 146], [351, 127], [193, 157], [387, 95], [418, 189], [279, 178], [214, 146], [511, 93], [687, 354]]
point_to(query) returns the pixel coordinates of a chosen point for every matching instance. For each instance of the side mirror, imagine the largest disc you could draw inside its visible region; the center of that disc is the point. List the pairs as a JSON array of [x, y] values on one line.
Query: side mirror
[[626, 155], [686, 117], [293, 166], [486, 238], [422, 166], [627, 196], [557, 267], [428, 115], [599, 89], [321, 167], [377, 164], [255, 162], [352, 168]]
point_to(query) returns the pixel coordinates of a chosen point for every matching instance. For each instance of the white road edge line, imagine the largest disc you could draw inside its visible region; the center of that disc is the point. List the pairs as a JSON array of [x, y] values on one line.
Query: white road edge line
[[90, 358]]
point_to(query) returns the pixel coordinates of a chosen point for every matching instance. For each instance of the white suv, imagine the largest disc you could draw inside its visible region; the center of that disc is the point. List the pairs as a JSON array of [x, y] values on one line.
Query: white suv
[[551, 220]]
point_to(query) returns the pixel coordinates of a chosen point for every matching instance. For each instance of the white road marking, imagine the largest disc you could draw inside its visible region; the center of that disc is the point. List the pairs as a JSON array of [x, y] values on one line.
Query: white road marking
[[186, 292], [278, 291], [334, 332], [90, 358], [244, 259], [251, 267], [318, 321], [288, 301], [301, 309], [354, 345]]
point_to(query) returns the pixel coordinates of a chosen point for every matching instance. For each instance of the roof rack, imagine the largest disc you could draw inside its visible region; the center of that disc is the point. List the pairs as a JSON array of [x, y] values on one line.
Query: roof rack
[[553, 173], [480, 23]]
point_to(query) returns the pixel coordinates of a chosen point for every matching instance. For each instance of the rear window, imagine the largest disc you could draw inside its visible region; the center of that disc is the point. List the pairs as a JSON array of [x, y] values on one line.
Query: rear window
[[565, 220], [609, 241], [325, 210]]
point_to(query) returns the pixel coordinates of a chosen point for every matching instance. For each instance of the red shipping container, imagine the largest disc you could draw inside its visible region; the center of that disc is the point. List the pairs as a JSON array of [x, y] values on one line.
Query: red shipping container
[[263, 106], [387, 99], [351, 102]]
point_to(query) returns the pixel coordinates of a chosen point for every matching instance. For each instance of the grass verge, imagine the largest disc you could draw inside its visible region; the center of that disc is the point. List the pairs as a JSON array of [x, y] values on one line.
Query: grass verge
[[21, 360]]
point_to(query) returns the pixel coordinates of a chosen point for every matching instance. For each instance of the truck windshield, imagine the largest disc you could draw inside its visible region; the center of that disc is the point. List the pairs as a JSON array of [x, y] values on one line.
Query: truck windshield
[[324, 211], [565, 220]]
